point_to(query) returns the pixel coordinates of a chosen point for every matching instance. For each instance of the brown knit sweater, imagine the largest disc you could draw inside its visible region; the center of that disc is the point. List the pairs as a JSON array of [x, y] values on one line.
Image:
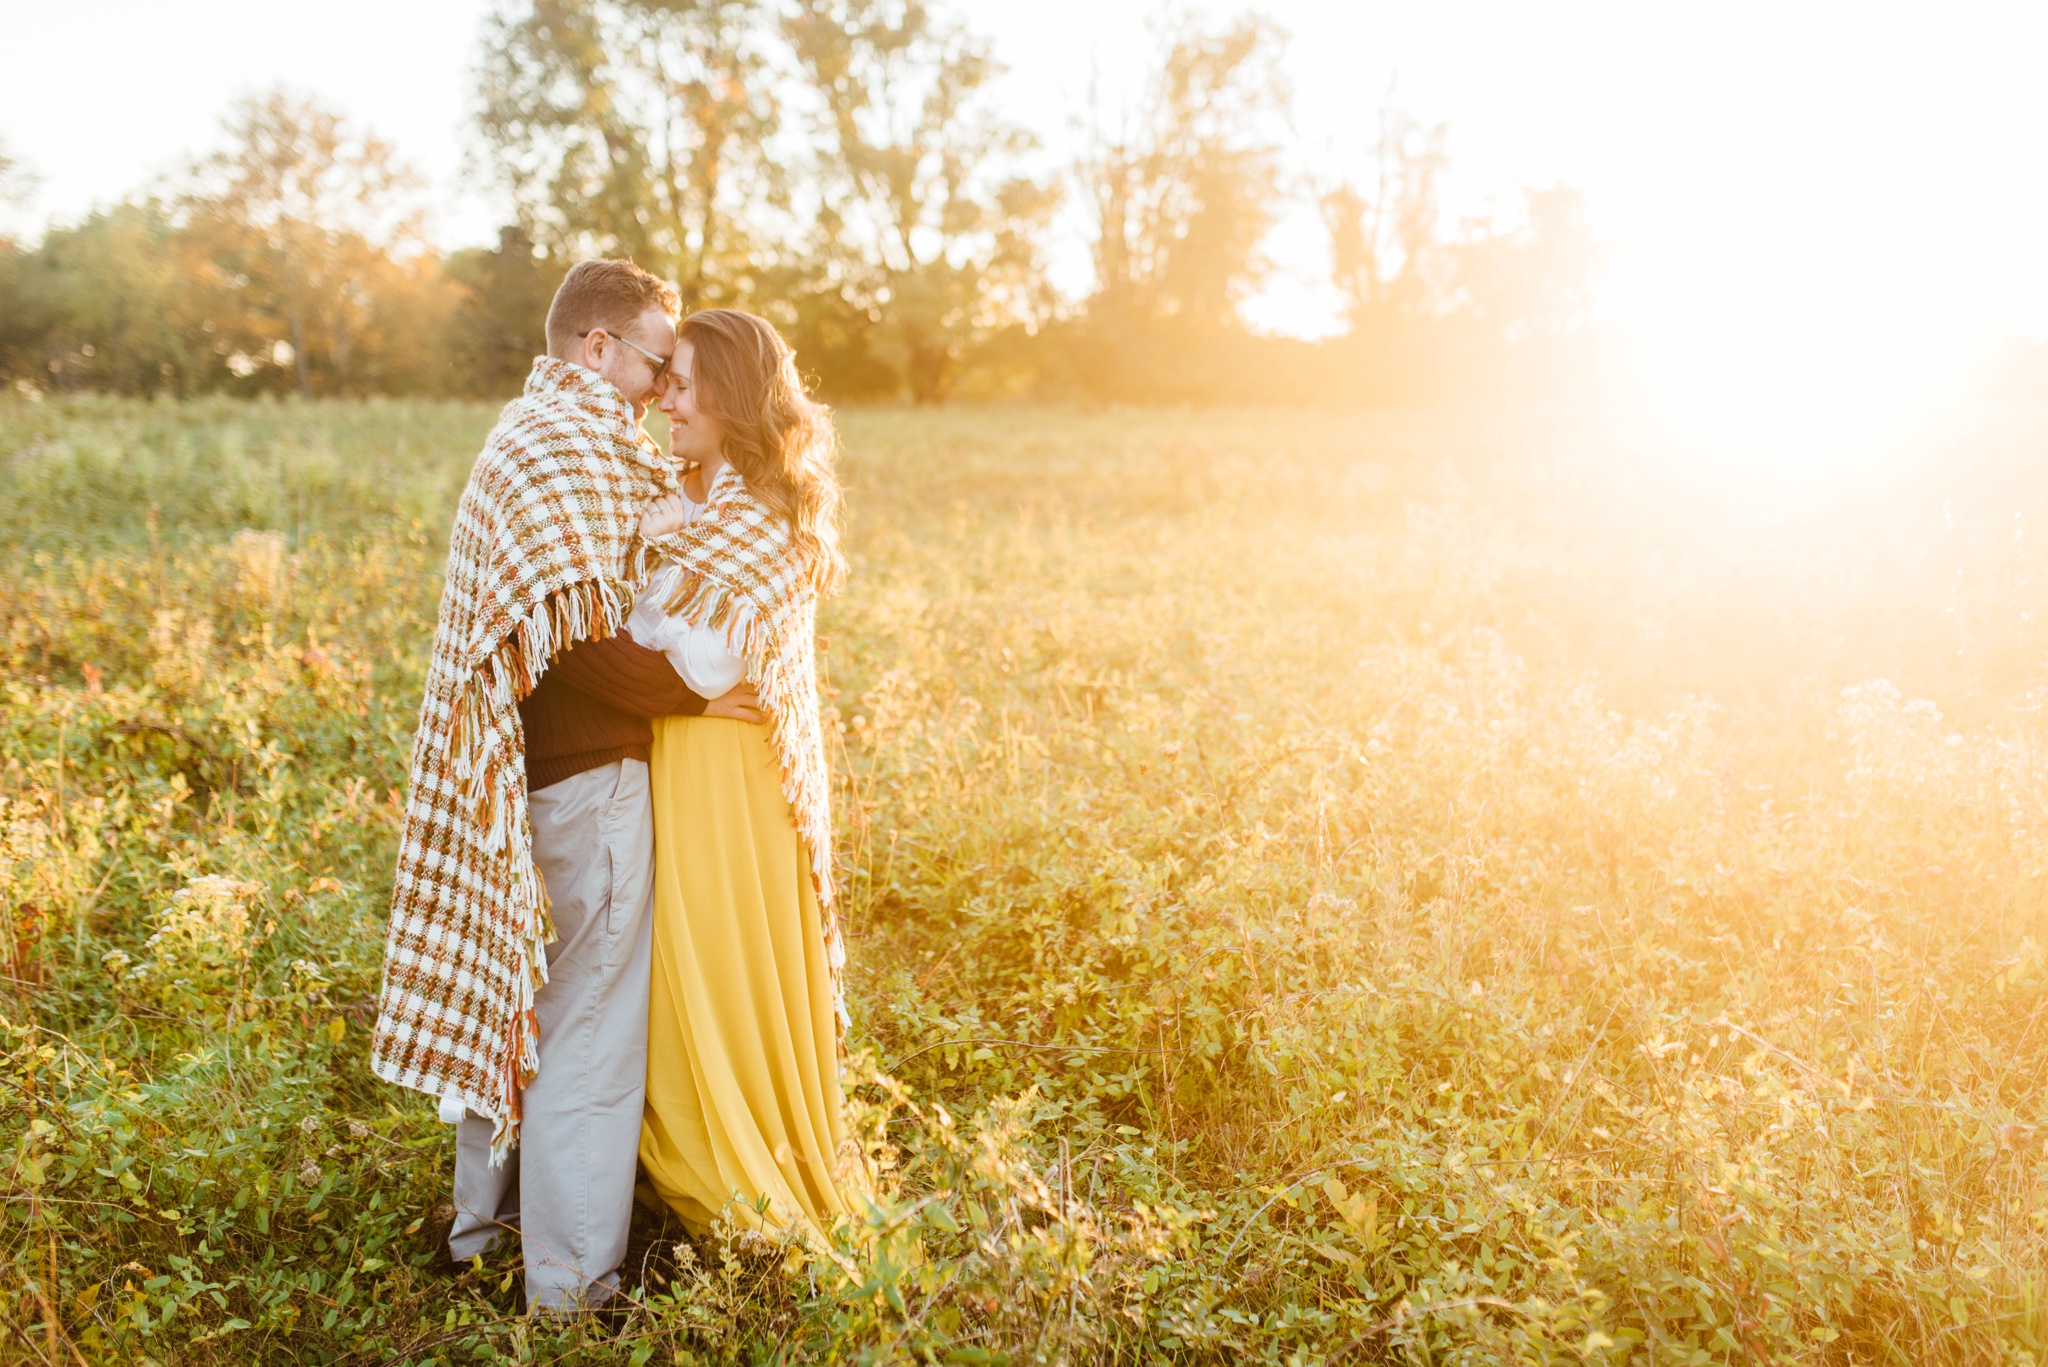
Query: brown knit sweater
[[592, 707]]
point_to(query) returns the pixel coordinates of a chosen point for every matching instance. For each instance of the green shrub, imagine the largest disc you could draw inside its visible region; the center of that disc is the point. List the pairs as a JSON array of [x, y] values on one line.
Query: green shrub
[[1321, 890]]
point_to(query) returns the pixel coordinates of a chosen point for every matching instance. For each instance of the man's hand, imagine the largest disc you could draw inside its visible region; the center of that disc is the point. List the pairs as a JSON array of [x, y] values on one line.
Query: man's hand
[[739, 703], [666, 514]]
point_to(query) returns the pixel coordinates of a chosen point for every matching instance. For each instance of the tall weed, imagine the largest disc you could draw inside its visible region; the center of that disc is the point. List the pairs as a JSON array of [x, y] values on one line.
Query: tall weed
[[1321, 889]]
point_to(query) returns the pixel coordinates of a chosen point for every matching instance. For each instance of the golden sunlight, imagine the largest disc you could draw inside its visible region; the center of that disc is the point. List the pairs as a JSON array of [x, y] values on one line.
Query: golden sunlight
[[1830, 221], [1815, 220], [899, 681]]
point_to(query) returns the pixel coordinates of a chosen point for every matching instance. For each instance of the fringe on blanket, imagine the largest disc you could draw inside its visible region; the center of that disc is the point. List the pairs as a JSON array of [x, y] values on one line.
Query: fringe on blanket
[[495, 792], [725, 607]]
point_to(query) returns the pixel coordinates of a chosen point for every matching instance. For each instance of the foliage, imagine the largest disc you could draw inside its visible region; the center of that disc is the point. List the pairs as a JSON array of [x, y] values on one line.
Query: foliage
[[311, 225], [1322, 888], [838, 165], [1533, 279], [1497, 307], [642, 129], [17, 182], [1180, 203], [288, 259], [1183, 206], [926, 219], [1385, 247], [118, 302], [500, 320], [885, 224]]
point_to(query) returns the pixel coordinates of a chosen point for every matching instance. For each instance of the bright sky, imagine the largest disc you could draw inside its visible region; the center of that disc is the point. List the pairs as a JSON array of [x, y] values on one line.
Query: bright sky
[[1811, 205]]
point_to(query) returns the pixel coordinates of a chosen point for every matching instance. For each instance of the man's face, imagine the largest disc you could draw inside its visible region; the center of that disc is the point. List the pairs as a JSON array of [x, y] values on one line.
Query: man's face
[[654, 333]]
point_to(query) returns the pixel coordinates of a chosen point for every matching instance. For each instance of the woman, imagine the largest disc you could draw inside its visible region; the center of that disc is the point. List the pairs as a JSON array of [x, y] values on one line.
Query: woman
[[743, 1101]]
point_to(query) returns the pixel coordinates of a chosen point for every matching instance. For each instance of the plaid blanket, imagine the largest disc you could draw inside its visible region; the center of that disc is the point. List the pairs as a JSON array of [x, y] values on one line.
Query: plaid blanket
[[538, 559], [742, 574]]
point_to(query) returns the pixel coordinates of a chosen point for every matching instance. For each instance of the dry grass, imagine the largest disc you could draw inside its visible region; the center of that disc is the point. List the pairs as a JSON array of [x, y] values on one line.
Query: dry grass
[[1323, 888]]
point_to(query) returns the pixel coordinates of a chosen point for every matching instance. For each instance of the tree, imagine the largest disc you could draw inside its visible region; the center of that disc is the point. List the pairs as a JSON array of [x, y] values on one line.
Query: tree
[[17, 182], [289, 258], [926, 221], [1182, 196], [15, 334], [1387, 252], [503, 297], [642, 128], [1533, 280], [1434, 311], [118, 302], [316, 226]]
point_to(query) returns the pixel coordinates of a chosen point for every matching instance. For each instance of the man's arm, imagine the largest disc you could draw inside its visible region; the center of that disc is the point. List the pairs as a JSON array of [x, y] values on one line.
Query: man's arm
[[620, 672]]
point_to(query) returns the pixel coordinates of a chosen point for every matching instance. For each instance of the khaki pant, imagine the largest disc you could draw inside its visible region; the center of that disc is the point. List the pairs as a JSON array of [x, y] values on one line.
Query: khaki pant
[[568, 1188]]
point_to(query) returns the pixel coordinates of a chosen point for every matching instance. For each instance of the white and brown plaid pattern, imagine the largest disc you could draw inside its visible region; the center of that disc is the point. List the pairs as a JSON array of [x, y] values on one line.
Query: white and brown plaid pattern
[[539, 558], [742, 573]]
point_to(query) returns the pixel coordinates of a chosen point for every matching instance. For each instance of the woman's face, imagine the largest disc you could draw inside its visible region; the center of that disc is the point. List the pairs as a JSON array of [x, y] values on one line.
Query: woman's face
[[693, 434]]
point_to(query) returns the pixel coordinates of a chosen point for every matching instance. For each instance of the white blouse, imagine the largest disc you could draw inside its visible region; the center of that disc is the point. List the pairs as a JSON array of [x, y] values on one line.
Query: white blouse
[[701, 654]]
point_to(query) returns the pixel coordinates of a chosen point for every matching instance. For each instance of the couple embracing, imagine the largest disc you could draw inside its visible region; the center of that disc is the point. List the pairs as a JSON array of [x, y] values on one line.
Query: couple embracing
[[613, 942]]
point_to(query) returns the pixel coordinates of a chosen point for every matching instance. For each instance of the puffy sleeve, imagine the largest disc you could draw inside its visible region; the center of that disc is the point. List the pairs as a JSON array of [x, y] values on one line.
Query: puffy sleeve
[[700, 654]]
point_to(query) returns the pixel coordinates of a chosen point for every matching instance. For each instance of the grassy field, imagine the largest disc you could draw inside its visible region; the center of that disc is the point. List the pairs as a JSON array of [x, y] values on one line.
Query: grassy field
[[1323, 888]]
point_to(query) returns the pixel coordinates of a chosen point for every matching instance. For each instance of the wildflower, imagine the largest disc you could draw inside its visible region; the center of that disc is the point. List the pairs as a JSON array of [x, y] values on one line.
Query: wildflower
[[308, 981], [309, 1173], [211, 911]]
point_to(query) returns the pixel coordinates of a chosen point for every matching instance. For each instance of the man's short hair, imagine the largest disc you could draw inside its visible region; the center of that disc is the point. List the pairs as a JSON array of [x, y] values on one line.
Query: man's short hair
[[604, 294]]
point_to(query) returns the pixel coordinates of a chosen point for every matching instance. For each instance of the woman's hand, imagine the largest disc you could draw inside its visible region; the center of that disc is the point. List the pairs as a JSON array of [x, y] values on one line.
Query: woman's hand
[[666, 514], [739, 703]]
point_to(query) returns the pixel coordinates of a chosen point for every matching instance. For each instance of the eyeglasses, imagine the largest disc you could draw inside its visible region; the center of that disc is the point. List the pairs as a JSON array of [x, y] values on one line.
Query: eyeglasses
[[661, 363]]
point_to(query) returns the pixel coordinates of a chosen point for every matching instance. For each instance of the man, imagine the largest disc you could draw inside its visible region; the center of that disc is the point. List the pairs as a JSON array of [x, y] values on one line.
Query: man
[[516, 973]]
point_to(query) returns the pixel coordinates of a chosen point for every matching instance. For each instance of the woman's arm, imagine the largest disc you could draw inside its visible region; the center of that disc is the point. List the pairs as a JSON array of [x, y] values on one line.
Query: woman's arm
[[698, 655], [705, 661]]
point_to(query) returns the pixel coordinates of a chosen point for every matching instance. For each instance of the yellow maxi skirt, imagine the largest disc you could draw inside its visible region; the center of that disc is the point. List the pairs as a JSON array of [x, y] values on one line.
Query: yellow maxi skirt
[[744, 1110]]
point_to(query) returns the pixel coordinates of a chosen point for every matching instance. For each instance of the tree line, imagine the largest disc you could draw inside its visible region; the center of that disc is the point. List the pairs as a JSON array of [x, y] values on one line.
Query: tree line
[[837, 165]]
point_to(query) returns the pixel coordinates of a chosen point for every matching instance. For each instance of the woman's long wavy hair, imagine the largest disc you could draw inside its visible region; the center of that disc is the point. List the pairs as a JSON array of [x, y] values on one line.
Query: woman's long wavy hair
[[780, 440]]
